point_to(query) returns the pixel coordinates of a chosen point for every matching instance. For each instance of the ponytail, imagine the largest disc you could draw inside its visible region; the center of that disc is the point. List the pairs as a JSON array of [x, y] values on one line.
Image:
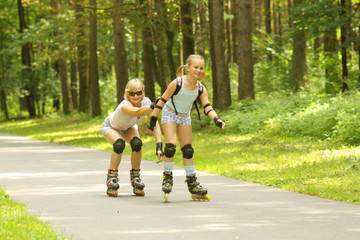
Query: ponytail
[[179, 71]]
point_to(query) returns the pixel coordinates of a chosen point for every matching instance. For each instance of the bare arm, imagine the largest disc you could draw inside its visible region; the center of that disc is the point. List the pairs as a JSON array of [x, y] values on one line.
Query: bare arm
[[136, 111], [209, 111]]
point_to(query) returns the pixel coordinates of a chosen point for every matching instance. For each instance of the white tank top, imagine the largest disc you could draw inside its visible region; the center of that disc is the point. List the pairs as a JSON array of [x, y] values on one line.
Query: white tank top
[[183, 100], [122, 121]]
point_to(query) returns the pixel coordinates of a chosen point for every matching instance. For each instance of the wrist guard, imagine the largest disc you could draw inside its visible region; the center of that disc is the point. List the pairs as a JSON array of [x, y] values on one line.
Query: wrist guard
[[152, 123], [159, 147], [217, 123]]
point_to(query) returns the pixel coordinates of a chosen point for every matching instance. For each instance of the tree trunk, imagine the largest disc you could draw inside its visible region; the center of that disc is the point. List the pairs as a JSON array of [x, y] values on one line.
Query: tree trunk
[[74, 90], [343, 49], [62, 69], [121, 65], [187, 29], [245, 58], [229, 37], [200, 28], [298, 60], [160, 41], [93, 62], [267, 5], [2, 92], [220, 72], [147, 59], [234, 11], [26, 55], [332, 80], [82, 58], [136, 48]]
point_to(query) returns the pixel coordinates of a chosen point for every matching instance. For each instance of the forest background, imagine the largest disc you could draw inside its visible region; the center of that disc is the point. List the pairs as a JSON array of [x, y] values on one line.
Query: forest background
[[284, 74]]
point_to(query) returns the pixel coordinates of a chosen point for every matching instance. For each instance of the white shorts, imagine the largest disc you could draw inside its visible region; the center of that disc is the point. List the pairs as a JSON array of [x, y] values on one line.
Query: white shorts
[[170, 116], [106, 127]]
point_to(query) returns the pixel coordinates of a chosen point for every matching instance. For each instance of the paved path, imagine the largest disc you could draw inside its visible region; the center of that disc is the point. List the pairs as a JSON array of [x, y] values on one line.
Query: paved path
[[65, 186]]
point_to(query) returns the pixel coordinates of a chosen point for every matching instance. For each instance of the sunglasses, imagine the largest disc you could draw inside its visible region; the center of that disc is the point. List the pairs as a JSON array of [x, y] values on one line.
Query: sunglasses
[[135, 93]]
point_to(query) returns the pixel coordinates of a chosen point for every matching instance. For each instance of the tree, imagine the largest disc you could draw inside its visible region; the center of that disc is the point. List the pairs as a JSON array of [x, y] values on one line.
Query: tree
[[344, 48], [220, 72], [121, 65], [160, 41], [147, 54], [298, 59], [26, 55], [187, 29], [82, 57], [93, 62], [244, 51], [62, 69]]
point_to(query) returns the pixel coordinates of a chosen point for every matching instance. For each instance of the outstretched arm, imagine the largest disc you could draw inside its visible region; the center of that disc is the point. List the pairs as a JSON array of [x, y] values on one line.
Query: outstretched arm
[[136, 111], [209, 110]]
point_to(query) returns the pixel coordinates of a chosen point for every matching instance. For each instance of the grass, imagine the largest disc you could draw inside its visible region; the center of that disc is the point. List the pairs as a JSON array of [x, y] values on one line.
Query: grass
[[16, 223], [303, 164]]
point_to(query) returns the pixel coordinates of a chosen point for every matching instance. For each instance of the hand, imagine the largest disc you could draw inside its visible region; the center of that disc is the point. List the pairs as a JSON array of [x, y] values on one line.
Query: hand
[[159, 151], [160, 156], [149, 131], [219, 122]]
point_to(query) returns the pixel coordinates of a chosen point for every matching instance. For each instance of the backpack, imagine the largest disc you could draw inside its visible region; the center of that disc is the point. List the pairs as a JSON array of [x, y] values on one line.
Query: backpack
[[178, 87]]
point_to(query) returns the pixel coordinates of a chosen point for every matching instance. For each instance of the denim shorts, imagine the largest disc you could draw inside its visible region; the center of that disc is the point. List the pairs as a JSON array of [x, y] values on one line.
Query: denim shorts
[[169, 115], [106, 127]]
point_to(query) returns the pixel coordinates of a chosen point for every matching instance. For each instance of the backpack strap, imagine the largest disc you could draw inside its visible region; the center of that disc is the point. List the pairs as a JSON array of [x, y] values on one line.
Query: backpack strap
[[200, 91], [178, 87]]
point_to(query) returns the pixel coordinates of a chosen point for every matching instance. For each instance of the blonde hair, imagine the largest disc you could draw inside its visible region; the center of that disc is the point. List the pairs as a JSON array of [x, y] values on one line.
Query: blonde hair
[[132, 86], [179, 71]]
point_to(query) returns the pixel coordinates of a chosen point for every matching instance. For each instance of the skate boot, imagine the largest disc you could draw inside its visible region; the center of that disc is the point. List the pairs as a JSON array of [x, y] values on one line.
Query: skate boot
[[112, 183], [136, 183], [167, 184], [196, 190]]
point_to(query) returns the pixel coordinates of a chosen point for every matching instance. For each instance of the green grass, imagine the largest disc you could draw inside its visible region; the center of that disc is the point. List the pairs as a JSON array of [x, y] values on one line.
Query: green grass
[[16, 223], [301, 164]]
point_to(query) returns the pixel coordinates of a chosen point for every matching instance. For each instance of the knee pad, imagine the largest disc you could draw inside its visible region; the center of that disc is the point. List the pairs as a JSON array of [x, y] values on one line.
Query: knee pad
[[118, 146], [170, 150], [136, 144], [187, 151]]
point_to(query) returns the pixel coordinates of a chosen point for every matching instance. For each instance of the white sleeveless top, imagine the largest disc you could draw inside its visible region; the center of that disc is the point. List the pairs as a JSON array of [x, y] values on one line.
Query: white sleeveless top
[[122, 121]]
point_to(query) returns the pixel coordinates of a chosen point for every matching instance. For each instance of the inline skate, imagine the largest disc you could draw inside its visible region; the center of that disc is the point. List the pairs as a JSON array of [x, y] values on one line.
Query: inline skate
[[167, 184], [136, 183], [112, 183], [196, 190]]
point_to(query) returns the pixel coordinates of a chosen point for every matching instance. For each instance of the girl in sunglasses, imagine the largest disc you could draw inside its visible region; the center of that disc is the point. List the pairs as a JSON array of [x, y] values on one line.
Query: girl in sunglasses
[[121, 127], [176, 103]]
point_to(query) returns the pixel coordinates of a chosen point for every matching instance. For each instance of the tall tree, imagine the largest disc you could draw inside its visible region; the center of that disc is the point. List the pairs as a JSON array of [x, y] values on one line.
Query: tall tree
[[187, 29], [82, 57], [62, 68], [93, 62], [147, 54], [121, 65], [244, 51], [332, 80], [220, 72], [344, 48], [160, 41], [26, 56], [298, 59]]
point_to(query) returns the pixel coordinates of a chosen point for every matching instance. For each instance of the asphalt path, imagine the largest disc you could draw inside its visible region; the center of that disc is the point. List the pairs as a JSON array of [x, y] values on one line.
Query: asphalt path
[[65, 186]]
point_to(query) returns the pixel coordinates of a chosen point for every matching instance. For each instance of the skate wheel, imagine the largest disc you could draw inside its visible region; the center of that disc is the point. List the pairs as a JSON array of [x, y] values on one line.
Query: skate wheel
[[166, 196], [142, 193], [112, 193], [207, 197]]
